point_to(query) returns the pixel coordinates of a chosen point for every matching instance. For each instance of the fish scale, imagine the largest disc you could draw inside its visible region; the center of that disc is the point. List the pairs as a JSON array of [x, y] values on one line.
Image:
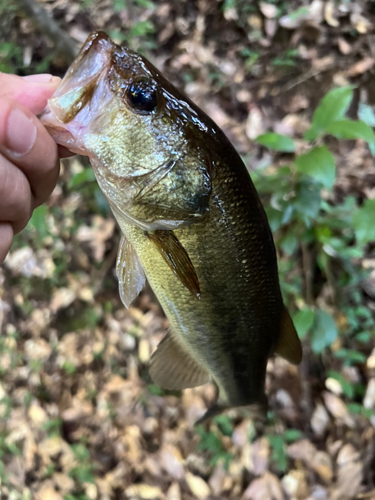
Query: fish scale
[[191, 219]]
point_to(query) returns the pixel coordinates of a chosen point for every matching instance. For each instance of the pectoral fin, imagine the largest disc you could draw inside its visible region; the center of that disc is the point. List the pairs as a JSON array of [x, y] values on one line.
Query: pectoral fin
[[173, 368], [130, 274], [289, 345], [177, 259]]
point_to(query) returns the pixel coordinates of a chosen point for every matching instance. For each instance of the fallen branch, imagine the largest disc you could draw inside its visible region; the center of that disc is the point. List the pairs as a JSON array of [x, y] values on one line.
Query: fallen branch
[[63, 43]]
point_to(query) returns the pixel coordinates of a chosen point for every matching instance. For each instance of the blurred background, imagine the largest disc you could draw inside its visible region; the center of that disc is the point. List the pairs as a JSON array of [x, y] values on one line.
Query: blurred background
[[79, 416]]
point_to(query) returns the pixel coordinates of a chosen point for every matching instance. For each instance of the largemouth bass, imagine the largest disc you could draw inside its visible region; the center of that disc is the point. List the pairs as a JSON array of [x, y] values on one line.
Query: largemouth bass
[[191, 219]]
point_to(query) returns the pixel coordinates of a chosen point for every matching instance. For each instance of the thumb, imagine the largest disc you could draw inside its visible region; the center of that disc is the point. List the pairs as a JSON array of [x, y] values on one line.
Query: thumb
[[31, 91]]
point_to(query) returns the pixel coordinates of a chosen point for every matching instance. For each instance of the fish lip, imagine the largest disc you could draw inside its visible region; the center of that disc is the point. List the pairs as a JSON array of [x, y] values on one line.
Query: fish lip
[[92, 61]]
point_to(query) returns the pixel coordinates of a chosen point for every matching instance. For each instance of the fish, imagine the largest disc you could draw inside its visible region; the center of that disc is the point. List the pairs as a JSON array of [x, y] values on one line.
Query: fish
[[191, 220]]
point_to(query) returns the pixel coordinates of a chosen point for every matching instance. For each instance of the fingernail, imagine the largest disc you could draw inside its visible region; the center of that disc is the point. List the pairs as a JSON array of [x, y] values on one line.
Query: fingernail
[[42, 78], [21, 132]]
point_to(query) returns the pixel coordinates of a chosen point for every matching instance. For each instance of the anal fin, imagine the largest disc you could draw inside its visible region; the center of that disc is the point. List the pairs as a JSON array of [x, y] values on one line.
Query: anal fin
[[289, 344], [173, 368], [130, 274]]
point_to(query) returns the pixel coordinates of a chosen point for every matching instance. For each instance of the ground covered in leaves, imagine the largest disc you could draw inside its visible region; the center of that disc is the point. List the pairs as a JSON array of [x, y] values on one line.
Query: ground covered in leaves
[[79, 416]]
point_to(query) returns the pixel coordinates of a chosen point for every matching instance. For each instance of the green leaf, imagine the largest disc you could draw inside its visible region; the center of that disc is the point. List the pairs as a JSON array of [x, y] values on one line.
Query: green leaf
[[319, 163], [324, 331], [307, 201], [291, 435], [303, 321], [289, 243], [350, 356], [141, 28], [277, 142], [363, 222], [332, 107], [346, 386], [225, 424], [87, 175], [38, 220], [279, 455], [350, 129], [366, 114]]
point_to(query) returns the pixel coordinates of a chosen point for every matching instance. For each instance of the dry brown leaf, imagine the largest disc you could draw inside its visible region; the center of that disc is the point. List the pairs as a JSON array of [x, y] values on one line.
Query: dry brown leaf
[[144, 492], [47, 492], [338, 409], [329, 14], [302, 450], [312, 12], [295, 485], [369, 399], [63, 482], [360, 23], [350, 473], [269, 10], [97, 235], [322, 465], [197, 485], [255, 123], [344, 47], [62, 298], [319, 420], [174, 492], [267, 487], [361, 67]]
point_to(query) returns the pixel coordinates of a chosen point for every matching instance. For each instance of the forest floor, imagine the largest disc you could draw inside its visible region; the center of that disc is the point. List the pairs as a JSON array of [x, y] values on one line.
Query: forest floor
[[79, 416]]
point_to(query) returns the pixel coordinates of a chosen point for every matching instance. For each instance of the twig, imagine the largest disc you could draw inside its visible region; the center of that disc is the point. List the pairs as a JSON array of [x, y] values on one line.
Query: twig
[[307, 271], [312, 73], [63, 43]]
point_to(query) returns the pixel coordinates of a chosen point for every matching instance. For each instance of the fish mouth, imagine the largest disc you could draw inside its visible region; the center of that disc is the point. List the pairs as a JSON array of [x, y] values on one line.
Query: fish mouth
[[77, 89]]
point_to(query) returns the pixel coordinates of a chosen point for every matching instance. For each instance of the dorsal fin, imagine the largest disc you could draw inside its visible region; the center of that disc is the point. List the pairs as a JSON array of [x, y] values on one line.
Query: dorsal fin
[[130, 274], [172, 366], [177, 259], [289, 344]]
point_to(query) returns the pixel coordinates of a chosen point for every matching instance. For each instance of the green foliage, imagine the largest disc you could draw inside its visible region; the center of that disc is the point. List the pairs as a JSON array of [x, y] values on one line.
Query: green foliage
[[251, 57], [10, 57], [69, 368], [278, 443], [211, 442], [329, 236], [53, 427], [276, 142], [323, 331], [286, 59], [85, 176], [39, 221], [318, 163], [363, 222], [350, 129], [303, 321], [83, 472], [332, 108]]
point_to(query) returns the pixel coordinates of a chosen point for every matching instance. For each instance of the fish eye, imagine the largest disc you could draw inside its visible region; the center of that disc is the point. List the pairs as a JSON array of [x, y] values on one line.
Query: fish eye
[[141, 95]]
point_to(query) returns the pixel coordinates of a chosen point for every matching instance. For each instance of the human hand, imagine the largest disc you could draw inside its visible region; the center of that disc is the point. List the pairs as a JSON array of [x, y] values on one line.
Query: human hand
[[29, 159]]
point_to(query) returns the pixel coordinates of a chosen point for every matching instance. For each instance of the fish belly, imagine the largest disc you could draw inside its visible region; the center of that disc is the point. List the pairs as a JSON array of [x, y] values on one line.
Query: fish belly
[[233, 328]]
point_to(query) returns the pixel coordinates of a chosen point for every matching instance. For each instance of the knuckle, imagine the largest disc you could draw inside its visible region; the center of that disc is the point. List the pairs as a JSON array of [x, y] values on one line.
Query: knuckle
[[15, 194]]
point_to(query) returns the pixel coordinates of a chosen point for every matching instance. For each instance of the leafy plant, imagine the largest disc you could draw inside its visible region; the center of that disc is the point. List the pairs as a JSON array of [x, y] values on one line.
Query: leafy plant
[[278, 443], [212, 441], [83, 472], [327, 237]]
